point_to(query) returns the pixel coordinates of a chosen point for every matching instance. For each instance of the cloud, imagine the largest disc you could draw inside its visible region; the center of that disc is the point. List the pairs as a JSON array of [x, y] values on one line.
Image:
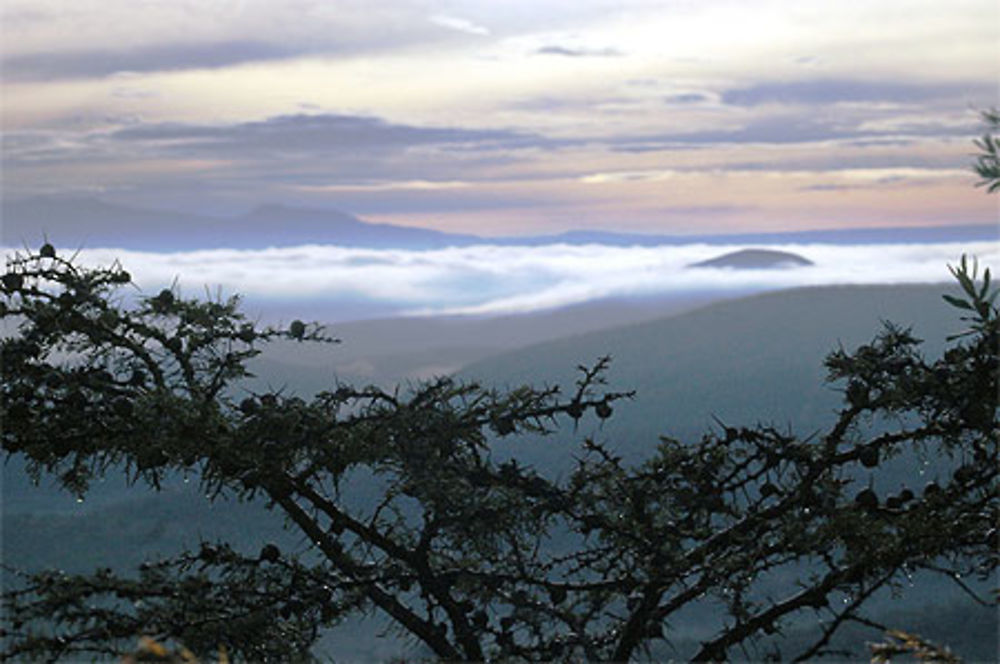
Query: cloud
[[789, 128], [579, 52], [831, 91], [688, 98], [161, 57], [313, 134], [459, 24], [778, 129], [489, 279]]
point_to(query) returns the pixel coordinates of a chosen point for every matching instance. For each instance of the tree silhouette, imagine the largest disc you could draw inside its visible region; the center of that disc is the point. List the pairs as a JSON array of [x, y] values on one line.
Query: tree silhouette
[[476, 558]]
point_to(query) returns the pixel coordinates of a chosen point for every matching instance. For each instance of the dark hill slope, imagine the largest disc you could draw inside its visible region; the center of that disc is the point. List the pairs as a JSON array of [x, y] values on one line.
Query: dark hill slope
[[756, 359]]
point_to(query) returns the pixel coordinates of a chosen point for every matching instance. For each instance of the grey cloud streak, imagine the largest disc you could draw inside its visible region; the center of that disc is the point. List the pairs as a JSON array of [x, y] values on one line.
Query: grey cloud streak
[[163, 57], [785, 129], [315, 134], [579, 52], [828, 91]]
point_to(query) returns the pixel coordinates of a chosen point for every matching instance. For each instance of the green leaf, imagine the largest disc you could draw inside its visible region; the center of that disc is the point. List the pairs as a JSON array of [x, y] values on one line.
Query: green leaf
[[957, 302]]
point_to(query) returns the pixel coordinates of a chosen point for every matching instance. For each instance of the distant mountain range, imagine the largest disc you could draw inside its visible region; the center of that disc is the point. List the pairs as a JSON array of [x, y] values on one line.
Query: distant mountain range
[[90, 222]]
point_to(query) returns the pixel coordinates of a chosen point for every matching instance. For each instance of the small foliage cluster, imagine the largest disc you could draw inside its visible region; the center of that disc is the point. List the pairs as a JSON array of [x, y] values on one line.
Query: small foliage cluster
[[987, 164]]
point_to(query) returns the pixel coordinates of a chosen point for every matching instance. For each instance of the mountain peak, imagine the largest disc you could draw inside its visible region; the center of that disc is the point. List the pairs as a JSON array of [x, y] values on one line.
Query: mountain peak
[[755, 259]]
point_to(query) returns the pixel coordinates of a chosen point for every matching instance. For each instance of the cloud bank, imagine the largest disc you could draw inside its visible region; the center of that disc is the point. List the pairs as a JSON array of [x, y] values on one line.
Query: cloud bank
[[489, 279]]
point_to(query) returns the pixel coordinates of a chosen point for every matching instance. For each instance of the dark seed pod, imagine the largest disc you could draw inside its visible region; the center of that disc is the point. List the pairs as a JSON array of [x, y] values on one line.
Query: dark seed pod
[[122, 407], [164, 300], [47, 251], [604, 410], [931, 489], [866, 499], [270, 553], [575, 410], [12, 281], [868, 457], [965, 474], [249, 406], [906, 495], [504, 426], [297, 329]]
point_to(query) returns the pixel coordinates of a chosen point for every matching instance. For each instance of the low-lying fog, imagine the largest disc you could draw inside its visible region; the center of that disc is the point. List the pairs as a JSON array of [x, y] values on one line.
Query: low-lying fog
[[356, 283]]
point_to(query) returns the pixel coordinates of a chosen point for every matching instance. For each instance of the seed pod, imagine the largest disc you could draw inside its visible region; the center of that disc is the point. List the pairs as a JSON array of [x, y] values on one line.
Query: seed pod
[[866, 499], [270, 553], [504, 426], [906, 495], [603, 410], [965, 474], [249, 406], [575, 410], [12, 281], [868, 457], [297, 329], [122, 407], [47, 251], [163, 301]]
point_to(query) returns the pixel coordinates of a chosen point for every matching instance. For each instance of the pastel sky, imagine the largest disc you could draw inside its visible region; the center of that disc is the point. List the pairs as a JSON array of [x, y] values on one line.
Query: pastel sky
[[513, 116]]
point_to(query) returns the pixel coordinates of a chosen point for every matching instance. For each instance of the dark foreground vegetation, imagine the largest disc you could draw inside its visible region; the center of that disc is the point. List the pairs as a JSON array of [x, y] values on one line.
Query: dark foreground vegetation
[[477, 558], [474, 556]]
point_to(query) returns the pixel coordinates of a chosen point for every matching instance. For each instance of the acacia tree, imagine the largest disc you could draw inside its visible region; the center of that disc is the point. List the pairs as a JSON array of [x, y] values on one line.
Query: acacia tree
[[474, 557]]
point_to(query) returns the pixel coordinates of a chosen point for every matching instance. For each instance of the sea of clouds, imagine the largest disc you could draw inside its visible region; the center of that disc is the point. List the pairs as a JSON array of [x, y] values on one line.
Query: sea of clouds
[[490, 279]]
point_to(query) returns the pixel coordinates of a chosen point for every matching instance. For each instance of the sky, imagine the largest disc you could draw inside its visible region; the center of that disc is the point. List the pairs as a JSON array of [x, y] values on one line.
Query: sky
[[513, 117]]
